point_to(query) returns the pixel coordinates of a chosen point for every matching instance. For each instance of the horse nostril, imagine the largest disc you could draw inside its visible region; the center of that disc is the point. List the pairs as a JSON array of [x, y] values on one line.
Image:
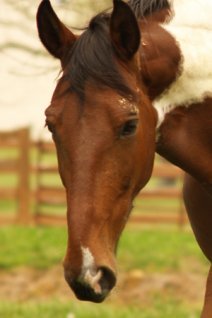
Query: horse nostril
[[107, 280], [93, 286]]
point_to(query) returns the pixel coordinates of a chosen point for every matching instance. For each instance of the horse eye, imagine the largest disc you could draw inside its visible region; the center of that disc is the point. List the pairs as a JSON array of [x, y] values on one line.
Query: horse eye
[[129, 128]]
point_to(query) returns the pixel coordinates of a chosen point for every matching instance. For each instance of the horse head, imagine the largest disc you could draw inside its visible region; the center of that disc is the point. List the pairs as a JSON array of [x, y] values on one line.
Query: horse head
[[103, 125]]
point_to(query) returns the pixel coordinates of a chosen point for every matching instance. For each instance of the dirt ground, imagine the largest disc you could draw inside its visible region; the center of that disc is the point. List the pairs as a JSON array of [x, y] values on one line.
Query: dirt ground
[[134, 287]]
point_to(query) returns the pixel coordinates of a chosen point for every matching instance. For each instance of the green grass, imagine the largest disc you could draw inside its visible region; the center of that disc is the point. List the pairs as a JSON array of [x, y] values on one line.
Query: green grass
[[36, 247], [156, 249], [147, 248], [170, 309], [7, 207], [163, 249]]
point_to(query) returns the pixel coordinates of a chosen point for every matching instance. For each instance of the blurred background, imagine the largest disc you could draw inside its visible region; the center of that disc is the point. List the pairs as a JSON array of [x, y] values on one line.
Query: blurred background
[[28, 73], [161, 269]]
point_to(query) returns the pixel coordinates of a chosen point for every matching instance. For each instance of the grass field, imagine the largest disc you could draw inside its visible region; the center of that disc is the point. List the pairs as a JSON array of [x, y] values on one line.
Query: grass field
[[58, 310], [159, 250]]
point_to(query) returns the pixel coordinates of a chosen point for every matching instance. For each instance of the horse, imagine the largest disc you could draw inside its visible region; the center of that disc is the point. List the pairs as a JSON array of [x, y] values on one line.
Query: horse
[[137, 81]]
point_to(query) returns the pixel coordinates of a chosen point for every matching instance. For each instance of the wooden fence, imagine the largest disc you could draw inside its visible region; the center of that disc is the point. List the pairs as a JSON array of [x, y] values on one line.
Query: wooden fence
[[43, 201], [15, 144]]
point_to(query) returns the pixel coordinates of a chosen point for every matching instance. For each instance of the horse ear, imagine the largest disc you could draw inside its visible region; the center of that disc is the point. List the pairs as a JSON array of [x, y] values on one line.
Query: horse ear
[[54, 35], [124, 30]]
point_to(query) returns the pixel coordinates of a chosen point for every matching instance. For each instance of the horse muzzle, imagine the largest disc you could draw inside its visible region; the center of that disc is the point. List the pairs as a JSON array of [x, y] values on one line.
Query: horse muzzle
[[92, 285]]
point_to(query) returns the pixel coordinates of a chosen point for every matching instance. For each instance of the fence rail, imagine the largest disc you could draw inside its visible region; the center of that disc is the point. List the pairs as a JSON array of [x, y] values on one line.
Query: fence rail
[[39, 204]]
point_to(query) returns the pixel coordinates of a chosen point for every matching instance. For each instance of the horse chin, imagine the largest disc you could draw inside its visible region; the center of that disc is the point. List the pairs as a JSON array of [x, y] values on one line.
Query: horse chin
[[92, 286]]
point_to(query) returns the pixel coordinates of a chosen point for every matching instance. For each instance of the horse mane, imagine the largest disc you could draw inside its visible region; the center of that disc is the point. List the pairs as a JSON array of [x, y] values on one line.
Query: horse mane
[[92, 58], [143, 8]]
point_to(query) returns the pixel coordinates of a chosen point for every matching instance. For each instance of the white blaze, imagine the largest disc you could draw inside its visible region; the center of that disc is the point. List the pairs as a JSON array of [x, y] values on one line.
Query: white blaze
[[87, 259], [89, 274]]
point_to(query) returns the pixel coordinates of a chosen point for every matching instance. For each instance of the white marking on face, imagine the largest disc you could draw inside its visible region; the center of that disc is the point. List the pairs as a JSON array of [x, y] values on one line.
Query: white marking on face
[[193, 33], [89, 274], [93, 281], [87, 259]]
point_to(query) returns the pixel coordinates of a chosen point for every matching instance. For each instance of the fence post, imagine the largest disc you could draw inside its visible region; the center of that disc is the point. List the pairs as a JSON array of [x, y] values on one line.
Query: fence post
[[24, 194]]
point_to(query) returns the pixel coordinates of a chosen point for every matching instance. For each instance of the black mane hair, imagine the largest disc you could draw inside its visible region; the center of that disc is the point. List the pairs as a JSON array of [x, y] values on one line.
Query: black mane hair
[[92, 58], [143, 8]]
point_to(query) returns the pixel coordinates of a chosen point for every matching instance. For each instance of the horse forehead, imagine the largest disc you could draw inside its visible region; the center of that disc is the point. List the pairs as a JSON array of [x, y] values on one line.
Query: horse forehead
[[96, 102], [111, 101]]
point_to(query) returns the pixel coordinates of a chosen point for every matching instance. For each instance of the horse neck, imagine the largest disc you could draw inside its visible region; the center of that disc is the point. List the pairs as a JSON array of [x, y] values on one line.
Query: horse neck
[[159, 57], [177, 72]]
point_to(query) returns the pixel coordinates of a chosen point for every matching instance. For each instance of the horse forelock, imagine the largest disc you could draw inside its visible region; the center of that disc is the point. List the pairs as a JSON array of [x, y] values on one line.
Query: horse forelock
[[92, 58], [143, 8]]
